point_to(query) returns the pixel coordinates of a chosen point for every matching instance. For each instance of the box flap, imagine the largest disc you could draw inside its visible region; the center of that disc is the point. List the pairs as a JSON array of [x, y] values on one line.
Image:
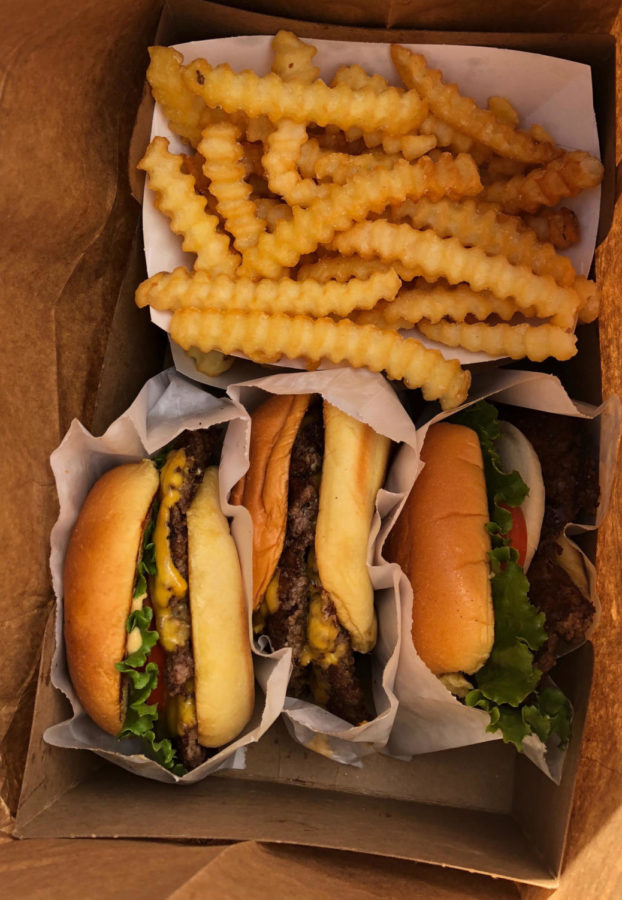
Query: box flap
[[452, 15], [251, 870], [106, 869]]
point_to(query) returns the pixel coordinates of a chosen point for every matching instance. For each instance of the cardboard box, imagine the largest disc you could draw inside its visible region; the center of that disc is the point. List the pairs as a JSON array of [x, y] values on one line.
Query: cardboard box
[[509, 822]]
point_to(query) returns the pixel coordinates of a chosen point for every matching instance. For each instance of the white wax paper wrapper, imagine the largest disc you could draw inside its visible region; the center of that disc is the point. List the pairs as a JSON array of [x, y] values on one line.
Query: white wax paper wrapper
[[554, 93], [370, 399], [166, 406], [429, 717]]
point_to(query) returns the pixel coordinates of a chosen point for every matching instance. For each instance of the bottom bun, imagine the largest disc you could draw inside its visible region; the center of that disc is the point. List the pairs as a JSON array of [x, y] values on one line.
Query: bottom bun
[[224, 684]]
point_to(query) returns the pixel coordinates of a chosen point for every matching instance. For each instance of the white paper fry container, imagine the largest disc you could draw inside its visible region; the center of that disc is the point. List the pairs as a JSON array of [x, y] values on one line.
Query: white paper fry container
[[544, 90], [370, 399], [166, 406], [429, 717]]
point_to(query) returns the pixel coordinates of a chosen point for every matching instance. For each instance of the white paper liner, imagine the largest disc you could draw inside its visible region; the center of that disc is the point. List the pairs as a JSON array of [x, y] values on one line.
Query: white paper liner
[[166, 406], [370, 399], [429, 717], [554, 93]]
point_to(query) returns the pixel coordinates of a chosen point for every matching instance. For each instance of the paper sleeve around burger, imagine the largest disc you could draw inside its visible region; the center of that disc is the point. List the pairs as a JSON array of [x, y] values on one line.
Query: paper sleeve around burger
[[494, 589], [315, 495], [153, 632]]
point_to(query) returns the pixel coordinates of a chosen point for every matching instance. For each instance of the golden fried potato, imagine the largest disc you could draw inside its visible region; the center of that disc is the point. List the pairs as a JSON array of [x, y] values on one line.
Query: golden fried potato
[[516, 341], [438, 257], [181, 289], [261, 336], [446, 102], [177, 199]]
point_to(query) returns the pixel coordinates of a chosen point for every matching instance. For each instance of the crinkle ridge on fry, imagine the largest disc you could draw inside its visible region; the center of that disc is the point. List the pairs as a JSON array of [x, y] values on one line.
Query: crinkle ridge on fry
[[262, 336], [181, 289], [438, 257], [255, 95]]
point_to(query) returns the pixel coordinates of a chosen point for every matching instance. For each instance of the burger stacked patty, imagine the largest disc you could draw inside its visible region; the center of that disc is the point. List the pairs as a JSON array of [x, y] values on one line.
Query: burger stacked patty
[[571, 495], [340, 682], [287, 626], [203, 449]]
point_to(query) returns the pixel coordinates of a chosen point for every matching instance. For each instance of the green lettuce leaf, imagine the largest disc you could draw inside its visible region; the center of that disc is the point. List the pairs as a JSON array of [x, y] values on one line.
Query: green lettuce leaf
[[141, 717], [506, 685], [503, 487], [146, 565], [515, 617], [549, 714]]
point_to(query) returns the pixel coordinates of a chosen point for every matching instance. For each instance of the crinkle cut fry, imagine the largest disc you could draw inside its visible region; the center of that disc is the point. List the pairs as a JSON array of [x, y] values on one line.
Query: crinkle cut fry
[[435, 302], [446, 102], [185, 112], [292, 59], [259, 335], [447, 258], [516, 341], [410, 146], [181, 289], [477, 224], [348, 203], [342, 268], [177, 199], [546, 185], [269, 95], [280, 162], [222, 154], [559, 227], [339, 167], [589, 295]]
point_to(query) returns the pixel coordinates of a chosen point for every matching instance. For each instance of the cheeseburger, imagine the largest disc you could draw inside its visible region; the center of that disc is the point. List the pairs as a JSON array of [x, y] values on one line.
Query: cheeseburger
[[481, 515], [155, 624], [311, 487]]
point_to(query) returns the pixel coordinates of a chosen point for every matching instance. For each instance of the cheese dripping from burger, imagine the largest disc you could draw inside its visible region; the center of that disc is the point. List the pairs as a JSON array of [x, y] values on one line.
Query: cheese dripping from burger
[[313, 477], [156, 545]]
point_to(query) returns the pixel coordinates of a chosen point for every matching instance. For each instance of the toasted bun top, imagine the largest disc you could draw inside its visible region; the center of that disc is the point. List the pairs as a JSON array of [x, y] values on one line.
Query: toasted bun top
[[264, 488], [224, 682], [441, 543], [355, 460], [99, 573]]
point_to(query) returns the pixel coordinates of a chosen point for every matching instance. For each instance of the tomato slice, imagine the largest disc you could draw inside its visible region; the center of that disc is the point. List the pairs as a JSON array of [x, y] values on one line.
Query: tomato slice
[[158, 694], [518, 532]]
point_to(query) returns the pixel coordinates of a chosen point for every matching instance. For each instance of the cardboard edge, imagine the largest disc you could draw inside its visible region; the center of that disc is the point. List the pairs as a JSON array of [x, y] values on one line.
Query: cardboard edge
[[324, 819], [550, 842], [48, 701]]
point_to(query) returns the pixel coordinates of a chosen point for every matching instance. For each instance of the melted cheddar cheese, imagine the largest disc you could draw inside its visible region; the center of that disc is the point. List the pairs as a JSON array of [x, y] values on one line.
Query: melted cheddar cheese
[[325, 645], [181, 711], [174, 630]]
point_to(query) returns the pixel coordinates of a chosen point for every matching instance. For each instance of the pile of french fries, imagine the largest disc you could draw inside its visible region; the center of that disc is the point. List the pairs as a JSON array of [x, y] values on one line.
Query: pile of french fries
[[326, 220]]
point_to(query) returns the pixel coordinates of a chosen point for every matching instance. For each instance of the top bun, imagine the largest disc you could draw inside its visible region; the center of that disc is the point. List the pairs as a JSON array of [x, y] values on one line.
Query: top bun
[[264, 488], [441, 543], [224, 681], [355, 461], [99, 574]]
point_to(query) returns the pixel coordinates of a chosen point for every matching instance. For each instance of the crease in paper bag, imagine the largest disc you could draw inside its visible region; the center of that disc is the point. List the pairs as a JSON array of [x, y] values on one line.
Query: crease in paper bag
[[370, 399], [548, 91], [167, 404], [429, 717]]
